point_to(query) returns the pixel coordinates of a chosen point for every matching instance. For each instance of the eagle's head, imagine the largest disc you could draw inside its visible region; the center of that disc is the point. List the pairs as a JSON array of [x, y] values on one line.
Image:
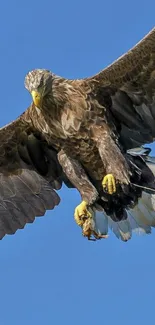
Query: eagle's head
[[39, 83]]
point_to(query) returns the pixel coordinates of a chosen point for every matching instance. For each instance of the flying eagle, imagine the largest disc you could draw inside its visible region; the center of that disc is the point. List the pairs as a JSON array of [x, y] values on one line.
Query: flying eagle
[[88, 134]]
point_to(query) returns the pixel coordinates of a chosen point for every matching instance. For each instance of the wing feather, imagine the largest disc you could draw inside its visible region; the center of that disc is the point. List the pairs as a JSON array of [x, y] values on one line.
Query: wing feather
[[130, 84], [129, 65], [27, 176]]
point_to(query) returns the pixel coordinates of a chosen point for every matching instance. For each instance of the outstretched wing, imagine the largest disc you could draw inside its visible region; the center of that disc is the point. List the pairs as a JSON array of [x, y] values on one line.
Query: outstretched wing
[[29, 173], [129, 86]]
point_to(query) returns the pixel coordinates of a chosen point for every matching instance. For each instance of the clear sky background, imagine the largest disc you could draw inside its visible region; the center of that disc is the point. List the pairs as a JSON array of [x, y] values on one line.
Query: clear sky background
[[50, 274]]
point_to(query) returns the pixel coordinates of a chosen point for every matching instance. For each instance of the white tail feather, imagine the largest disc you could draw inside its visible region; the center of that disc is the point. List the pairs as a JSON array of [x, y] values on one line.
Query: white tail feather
[[101, 223], [137, 225], [140, 219], [121, 229]]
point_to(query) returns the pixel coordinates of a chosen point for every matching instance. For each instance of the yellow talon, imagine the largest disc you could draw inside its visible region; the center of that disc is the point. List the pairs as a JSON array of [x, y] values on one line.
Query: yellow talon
[[85, 219], [82, 213], [109, 183]]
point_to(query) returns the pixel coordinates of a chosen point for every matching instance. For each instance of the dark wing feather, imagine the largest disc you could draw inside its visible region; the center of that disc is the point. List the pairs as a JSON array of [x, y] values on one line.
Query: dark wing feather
[[130, 84], [29, 170]]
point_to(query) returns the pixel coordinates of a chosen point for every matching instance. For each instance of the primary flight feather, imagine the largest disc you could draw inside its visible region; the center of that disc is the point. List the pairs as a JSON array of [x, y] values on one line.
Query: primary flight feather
[[88, 134]]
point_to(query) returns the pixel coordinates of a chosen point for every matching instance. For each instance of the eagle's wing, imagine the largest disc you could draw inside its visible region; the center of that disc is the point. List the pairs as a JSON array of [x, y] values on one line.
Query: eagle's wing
[[29, 173], [128, 86]]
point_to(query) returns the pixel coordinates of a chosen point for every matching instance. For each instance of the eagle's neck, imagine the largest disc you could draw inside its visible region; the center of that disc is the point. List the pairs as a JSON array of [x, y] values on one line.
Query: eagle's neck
[[67, 92], [63, 111], [66, 97]]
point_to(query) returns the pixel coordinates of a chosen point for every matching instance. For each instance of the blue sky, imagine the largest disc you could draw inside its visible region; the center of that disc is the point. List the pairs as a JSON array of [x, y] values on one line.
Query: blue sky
[[49, 273]]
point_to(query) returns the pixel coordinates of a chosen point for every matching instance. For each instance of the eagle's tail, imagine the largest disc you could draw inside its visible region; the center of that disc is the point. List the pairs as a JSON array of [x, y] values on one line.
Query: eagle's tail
[[140, 219]]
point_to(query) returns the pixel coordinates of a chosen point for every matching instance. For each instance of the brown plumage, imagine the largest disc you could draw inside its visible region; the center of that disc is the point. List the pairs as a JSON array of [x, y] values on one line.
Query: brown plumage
[[78, 132]]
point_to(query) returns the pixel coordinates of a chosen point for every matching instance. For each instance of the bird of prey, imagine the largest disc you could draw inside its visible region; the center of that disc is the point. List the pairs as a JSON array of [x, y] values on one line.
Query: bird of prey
[[89, 134]]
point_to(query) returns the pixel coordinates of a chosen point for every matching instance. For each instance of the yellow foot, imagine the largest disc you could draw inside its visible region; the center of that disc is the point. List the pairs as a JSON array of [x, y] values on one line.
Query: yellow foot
[[109, 183], [84, 219], [82, 213]]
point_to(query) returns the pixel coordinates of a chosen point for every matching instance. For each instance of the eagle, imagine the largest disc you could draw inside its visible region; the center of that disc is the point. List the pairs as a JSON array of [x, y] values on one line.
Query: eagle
[[89, 134]]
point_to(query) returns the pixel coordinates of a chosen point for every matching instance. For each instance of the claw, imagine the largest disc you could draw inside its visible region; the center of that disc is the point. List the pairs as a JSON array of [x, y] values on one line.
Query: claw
[[82, 213], [84, 219], [109, 183], [89, 231]]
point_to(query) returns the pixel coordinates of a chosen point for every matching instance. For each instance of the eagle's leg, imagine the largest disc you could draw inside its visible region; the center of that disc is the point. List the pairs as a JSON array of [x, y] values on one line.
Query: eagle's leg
[[116, 167], [79, 179]]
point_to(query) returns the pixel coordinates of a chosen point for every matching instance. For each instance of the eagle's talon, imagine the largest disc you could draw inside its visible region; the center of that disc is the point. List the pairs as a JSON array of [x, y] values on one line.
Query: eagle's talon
[[89, 231], [109, 183], [82, 213]]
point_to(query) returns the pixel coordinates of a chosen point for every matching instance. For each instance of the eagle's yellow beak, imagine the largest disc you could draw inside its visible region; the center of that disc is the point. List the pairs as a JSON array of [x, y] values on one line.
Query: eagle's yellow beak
[[37, 98]]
